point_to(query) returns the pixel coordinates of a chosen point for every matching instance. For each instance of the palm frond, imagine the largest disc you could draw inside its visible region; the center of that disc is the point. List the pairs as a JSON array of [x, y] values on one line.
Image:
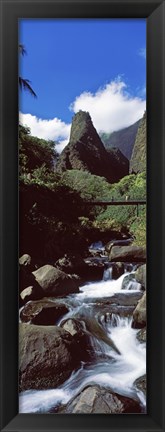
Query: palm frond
[[25, 84], [22, 49]]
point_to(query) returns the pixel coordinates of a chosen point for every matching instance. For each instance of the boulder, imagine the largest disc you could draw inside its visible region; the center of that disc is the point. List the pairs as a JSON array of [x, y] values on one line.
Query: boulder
[[140, 275], [25, 260], [71, 263], [55, 282], [82, 339], [43, 312], [139, 314], [140, 384], [31, 293], [94, 269], [73, 326], [28, 286], [87, 270], [27, 279], [97, 400], [46, 356], [121, 242], [128, 254], [95, 329], [121, 299], [117, 270], [141, 335]]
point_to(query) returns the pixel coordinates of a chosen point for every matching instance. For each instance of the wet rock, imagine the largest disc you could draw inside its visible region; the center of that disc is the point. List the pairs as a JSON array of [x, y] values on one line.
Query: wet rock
[[27, 279], [82, 340], [113, 270], [54, 282], [97, 400], [117, 270], [121, 242], [72, 264], [141, 335], [73, 326], [139, 314], [112, 313], [130, 283], [96, 330], [43, 312], [46, 357], [140, 384], [31, 293], [26, 261], [140, 275], [128, 254], [121, 299], [86, 269]]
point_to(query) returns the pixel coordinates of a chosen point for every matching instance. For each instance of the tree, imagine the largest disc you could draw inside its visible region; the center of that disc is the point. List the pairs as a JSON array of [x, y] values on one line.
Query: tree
[[25, 83]]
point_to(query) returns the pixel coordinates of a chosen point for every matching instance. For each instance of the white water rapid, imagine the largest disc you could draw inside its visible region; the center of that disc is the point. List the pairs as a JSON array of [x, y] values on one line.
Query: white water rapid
[[108, 369]]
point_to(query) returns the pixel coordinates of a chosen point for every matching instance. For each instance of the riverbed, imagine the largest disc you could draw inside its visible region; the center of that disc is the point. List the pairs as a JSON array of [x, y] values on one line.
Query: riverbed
[[105, 310]]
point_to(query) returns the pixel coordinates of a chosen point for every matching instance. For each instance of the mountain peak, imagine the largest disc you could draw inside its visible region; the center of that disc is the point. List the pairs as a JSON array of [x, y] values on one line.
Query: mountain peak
[[86, 151]]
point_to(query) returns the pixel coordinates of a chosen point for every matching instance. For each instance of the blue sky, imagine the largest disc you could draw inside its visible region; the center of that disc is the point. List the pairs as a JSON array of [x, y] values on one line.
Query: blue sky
[[95, 65]]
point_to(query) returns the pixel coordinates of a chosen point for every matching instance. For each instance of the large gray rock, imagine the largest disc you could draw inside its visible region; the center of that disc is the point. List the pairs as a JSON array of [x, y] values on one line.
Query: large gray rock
[[74, 264], [97, 400], [32, 292], [128, 254], [121, 242], [43, 312], [140, 384], [54, 282], [73, 326], [71, 263], [81, 337], [141, 335], [25, 260], [27, 279], [139, 314], [46, 356], [140, 275]]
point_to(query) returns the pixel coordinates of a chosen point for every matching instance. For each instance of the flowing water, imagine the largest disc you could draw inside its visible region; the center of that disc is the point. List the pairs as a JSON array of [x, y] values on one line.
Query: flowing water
[[115, 365]]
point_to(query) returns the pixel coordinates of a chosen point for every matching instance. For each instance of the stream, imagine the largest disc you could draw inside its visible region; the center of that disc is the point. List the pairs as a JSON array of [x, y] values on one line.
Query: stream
[[114, 369]]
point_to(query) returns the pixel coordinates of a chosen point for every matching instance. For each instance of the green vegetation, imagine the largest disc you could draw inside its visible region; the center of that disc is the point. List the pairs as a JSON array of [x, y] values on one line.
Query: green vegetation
[[131, 187], [89, 186], [54, 214], [35, 153]]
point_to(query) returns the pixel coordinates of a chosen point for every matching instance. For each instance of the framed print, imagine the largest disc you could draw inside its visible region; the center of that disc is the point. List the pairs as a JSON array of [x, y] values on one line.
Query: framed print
[[82, 215]]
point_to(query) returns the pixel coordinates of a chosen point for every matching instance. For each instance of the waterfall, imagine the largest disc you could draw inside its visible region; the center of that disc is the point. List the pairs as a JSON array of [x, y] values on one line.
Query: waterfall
[[113, 369], [117, 372], [107, 275]]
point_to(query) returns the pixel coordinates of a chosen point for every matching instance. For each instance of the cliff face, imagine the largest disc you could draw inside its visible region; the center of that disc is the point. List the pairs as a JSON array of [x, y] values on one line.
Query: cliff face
[[123, 139], [86, 151], [138, 158]]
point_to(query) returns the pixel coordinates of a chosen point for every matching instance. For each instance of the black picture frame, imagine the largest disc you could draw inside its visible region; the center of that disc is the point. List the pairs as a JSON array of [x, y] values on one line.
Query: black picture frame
[[154, 12]]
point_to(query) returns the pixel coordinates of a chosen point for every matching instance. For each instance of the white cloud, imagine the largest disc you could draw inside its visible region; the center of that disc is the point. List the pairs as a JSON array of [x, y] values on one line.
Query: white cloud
[[111, 107], [142, 52], [54, 129]]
